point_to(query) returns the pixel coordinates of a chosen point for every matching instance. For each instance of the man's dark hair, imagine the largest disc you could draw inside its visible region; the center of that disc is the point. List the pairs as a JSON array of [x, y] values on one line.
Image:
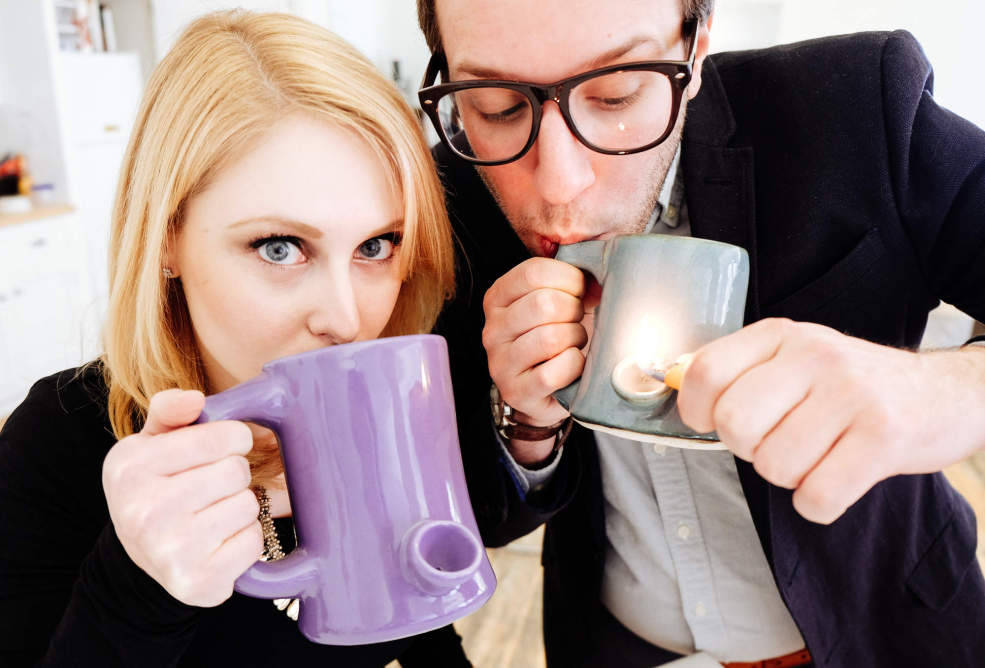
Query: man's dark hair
[[427, 18]]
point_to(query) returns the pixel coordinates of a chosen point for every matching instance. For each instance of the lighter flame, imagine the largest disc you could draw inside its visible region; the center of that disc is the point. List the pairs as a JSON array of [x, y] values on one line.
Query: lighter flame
[[649, 343]]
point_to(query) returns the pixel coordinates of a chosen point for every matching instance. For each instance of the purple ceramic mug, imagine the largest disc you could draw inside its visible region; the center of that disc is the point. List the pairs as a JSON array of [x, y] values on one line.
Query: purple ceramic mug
[[387, 543]]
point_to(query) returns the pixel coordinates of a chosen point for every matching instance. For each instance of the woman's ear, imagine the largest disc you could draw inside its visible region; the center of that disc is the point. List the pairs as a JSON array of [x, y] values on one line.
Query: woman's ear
[[704, 41], [169, 266]]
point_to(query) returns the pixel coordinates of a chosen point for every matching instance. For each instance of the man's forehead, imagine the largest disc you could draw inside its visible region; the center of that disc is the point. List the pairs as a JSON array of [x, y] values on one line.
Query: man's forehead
[[551, 39]]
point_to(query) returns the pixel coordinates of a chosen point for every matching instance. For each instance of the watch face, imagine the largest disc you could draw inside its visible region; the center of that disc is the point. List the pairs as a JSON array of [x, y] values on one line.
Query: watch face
[[498, 407]]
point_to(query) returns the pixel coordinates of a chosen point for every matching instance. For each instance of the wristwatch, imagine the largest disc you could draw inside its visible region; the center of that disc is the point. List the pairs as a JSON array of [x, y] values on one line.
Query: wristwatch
[[509, 428]]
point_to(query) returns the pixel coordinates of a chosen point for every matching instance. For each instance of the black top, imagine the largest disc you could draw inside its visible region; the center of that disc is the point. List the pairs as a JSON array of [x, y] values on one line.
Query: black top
[[71, 596]]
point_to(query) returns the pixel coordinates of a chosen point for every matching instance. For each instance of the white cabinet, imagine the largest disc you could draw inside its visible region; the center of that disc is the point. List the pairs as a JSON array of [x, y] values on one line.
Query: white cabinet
[[100, 93], [43, 300]]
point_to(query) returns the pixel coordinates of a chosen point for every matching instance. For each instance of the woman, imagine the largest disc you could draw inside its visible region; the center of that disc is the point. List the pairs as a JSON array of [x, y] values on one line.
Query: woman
[[276, 197]]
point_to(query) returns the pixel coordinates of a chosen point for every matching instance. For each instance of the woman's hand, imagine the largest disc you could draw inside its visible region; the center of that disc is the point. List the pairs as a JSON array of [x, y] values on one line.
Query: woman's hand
[[180, 501]]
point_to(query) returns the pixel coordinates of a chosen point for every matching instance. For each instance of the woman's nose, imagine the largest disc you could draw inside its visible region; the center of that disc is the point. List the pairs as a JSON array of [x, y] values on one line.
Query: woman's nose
[[334, 311], [564, 168]]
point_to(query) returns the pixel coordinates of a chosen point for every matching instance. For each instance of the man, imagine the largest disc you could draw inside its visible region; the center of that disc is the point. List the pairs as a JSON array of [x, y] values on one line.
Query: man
[[860, 202]]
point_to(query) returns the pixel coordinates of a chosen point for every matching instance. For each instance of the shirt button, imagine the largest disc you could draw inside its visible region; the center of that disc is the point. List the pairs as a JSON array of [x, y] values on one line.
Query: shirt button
[[683, 531], [700, 609], [660, 449]]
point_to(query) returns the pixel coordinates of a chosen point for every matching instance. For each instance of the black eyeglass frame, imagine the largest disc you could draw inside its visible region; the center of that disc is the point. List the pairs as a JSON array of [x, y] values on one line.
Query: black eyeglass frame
[[678, 71]]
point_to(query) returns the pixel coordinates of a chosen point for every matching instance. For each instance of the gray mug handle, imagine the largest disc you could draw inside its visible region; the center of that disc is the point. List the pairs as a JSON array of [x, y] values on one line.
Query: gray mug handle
[[590, 256]]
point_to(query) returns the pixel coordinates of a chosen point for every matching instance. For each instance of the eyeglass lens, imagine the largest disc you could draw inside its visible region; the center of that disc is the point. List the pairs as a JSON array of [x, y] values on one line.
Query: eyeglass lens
[[617, 111]]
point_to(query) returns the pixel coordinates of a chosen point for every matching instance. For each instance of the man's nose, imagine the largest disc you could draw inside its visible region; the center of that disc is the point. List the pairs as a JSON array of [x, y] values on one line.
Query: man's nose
[[564, 167], [333, 311]]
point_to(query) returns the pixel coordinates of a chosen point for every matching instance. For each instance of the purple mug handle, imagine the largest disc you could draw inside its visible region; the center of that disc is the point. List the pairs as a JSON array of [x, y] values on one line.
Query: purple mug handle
[[263, 400]]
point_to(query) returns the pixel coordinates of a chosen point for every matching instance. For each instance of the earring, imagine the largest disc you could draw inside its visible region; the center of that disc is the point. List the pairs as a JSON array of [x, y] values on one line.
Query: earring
[[167, 272]]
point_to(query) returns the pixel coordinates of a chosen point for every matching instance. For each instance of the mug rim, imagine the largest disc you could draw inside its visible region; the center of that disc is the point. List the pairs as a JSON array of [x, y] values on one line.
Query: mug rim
[[673, 238], [352, 346]]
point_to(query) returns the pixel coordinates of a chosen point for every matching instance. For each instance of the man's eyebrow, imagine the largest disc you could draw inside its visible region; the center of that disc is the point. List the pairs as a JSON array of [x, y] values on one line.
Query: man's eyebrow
[[480, 72], [297, 225]]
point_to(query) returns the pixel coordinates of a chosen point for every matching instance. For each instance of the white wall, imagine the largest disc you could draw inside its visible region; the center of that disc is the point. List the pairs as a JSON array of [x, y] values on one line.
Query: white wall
[[171, 16], [948, 30], [383, 30]]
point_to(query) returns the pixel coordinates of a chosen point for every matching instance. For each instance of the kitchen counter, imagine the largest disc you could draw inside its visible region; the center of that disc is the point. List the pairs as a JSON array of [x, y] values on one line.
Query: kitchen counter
[[38, 213]]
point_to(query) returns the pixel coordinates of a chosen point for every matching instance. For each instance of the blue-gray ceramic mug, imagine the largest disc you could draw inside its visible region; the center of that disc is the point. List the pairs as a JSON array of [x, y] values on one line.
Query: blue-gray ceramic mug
[[662, 296]]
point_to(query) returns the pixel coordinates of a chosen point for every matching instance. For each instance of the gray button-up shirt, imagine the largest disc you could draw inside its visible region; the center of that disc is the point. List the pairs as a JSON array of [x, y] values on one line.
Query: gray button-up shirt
[[684, 568]]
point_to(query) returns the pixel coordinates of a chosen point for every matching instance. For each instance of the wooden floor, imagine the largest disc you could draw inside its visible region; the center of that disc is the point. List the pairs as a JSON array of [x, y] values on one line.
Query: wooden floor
[[506, 632]]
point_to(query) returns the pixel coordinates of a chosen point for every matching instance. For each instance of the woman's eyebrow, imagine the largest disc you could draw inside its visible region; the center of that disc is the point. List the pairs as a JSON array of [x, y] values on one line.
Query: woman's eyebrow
[[393, 226], [302, 228]]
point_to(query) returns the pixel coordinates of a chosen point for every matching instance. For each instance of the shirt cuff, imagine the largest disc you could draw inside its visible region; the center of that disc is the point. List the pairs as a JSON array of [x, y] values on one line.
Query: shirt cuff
[[526, 479]]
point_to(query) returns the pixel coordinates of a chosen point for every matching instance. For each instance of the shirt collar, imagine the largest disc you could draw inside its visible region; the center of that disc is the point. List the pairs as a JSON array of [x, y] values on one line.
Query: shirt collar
[[663, 199]]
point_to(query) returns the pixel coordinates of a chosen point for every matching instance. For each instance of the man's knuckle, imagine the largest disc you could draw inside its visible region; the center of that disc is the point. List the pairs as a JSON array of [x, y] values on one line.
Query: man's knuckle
[[549, 341], [487, 337], [827, 358], [489, 300], [727, 417], [686, 410], [529, 273], [544, 380], [739, 447], [700, 373], [779, 326], [819, 499], [544, 304], [775, 469]]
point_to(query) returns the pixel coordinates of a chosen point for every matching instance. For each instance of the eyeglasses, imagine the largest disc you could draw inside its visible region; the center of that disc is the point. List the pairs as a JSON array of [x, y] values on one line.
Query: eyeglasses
[[616, 110]]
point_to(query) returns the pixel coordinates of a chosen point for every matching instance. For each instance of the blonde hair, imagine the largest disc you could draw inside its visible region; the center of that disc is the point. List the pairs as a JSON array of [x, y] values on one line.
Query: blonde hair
[[230, 77]]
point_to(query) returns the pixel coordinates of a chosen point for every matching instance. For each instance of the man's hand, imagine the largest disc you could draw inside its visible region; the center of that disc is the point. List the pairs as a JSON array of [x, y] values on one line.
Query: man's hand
[[829, 415], [533, 336]]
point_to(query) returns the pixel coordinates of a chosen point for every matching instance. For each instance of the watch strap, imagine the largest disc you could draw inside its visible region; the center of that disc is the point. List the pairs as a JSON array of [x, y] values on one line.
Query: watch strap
[[512, 429], [559, 439], [527, 432]]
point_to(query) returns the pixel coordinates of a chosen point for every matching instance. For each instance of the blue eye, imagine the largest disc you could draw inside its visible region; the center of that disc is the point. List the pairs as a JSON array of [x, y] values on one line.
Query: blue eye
[[379, 248], [279, 250]]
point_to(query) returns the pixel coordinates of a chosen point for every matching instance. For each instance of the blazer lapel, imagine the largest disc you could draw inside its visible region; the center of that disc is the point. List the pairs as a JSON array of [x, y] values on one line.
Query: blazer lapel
[[720, 190], [718, 178]]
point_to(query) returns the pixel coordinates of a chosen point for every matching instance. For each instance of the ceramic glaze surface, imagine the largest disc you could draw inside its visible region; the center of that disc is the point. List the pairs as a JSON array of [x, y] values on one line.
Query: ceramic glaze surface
[[662, 296], [387, 542]]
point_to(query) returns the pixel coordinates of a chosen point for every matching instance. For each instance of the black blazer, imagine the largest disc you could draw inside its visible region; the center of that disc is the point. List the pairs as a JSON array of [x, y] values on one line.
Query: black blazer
[[861, 204]]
